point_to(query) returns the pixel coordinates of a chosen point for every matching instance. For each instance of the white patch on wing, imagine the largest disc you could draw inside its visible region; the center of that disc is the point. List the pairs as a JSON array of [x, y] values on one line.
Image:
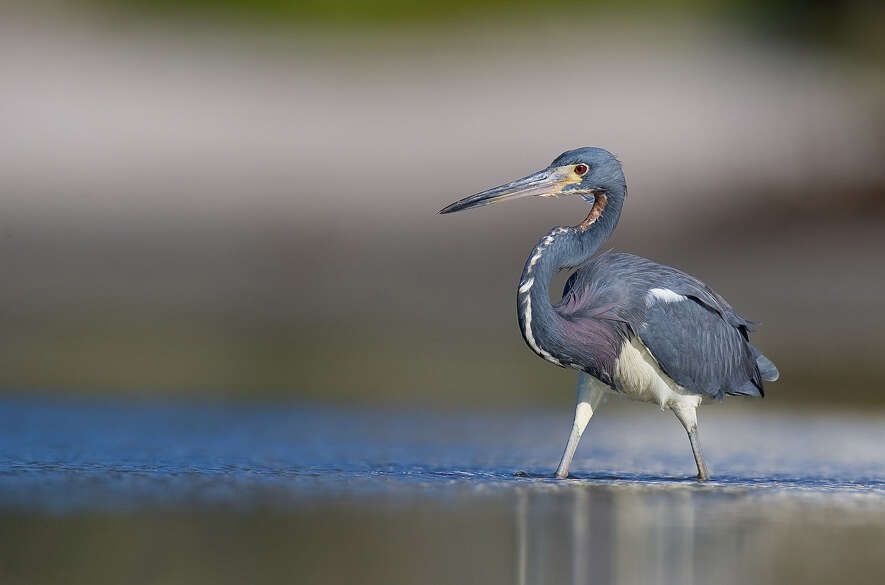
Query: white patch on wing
[[664, 295]]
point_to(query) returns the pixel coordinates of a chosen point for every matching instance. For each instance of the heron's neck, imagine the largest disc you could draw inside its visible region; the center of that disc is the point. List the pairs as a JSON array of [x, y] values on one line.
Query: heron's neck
[[561, 248]]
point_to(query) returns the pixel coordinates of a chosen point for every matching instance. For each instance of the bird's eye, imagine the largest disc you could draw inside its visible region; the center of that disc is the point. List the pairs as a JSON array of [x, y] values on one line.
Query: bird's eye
[[580, 169]]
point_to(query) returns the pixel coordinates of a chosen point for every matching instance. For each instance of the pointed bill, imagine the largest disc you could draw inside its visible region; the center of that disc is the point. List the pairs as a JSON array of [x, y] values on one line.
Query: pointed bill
[[546, 183]]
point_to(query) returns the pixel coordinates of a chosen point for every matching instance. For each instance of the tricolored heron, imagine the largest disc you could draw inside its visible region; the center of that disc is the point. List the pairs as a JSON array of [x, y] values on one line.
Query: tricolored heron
[[627, 324]]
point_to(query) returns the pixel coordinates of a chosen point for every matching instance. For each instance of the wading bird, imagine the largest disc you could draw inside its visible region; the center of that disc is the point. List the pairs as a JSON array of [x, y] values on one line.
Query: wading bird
[[627, 324]]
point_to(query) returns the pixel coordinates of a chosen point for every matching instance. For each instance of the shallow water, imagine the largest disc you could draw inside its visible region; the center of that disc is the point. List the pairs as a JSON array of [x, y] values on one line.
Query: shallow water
[[156, 492]]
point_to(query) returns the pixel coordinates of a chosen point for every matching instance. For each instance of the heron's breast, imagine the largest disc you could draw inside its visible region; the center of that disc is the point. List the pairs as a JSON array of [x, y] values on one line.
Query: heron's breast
[[639, 377]]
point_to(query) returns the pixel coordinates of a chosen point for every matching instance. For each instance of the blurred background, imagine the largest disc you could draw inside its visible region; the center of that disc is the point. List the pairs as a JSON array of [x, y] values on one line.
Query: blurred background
[[238, 198]]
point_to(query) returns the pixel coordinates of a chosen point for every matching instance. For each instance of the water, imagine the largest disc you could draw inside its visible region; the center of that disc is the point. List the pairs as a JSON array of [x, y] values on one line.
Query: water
[[167, 492]]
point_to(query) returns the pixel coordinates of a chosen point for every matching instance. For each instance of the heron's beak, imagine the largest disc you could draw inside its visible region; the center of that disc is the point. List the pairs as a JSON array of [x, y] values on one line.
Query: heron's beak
[[546, 183]]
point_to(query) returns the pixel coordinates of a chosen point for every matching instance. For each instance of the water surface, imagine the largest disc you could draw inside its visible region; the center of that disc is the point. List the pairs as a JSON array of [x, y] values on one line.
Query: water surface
[[168, 492]]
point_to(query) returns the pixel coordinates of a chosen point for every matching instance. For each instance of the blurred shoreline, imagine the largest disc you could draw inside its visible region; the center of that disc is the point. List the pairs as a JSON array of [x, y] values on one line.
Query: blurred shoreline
[[207, 210]]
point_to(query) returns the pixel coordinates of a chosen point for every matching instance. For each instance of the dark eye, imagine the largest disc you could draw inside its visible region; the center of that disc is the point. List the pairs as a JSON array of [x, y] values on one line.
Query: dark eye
[[580, 169]]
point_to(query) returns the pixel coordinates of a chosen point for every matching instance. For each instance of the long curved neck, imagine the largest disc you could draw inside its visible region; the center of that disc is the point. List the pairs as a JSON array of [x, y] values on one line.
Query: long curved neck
[[562, 247]]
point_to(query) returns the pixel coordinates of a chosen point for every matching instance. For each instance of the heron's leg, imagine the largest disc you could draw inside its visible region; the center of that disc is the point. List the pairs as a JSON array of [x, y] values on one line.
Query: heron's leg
[[590, 392], [687, 414]]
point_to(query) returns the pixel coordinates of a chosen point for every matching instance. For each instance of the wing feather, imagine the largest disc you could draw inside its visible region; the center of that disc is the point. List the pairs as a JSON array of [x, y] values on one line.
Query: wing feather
[[701, 342], [699, 350]]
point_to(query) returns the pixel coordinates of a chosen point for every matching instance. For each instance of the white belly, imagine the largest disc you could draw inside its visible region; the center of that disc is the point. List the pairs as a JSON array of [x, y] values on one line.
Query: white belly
[[639, 377]]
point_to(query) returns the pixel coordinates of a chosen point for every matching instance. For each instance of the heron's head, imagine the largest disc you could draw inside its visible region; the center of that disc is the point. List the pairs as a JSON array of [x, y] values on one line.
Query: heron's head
[[592, 173]]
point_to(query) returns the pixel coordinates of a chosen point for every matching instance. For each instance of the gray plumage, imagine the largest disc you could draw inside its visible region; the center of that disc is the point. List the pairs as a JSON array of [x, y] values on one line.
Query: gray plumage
[[702, 343], [638, 327]]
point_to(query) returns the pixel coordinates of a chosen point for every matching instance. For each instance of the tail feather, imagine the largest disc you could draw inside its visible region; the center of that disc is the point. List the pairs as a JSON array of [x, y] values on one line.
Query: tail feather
[[748, 388], [767, 369]]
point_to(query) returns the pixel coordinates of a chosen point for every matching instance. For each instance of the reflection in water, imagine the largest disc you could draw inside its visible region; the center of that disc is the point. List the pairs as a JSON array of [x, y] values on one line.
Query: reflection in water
[[536, 533], [691, 535], [106, 493], [522, 536]]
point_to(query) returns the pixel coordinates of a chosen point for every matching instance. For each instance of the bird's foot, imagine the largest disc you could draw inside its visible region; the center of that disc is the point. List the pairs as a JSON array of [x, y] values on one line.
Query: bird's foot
[[561, 475], [704, 476]]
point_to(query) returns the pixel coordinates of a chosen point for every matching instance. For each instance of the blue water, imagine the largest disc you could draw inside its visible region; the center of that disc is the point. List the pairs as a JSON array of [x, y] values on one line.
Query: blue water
[[70, 454], [145, 491]]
